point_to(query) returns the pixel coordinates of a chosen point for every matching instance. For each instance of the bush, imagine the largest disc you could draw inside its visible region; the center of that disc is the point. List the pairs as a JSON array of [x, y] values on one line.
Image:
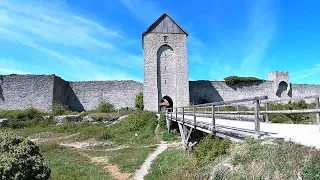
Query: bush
[[59, 109], [104, 116], [22, 115], [162, 122], [138, 127], [105, 107], [289, 118], [232, 80], [138, 102], [21, 159], [311, 168], [209, 148]]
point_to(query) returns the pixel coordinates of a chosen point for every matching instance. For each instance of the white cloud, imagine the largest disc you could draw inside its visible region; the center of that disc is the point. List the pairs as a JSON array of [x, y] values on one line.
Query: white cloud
[[302, 74], [54, 29], [261, 31], [10, 71], [146, 11]]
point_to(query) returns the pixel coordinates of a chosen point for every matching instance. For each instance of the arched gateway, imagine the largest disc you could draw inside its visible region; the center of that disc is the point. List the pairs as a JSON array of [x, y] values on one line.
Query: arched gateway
[[165, 64]]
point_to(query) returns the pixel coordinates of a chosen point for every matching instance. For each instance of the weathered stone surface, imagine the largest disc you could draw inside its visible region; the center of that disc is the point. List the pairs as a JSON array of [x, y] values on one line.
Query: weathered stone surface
[[87, 118], [23, 91], [67, 118], [165, 70], [4, 121], [89, 94]]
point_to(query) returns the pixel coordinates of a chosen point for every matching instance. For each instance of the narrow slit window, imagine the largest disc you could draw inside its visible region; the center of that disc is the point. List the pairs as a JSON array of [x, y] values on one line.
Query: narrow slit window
[[165, 68], [165, 39], [165, 81]]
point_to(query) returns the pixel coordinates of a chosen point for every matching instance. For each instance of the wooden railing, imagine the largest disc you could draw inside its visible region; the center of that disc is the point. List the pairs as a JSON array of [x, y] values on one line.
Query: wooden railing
[[213, 111], [315, 110], [173, 113]]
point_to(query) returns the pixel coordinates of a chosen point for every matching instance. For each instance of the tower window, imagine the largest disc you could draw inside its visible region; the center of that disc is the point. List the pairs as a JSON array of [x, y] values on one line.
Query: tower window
[[165, 81], [165, 39], [165, 68]]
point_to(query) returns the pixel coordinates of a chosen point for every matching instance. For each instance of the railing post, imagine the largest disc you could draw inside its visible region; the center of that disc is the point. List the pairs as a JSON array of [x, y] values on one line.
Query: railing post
[[183, 114], [169, 122], [238, 112], [318, 114], [213, 121], [177, 114], [267, 114], [218, 108], [256, 118], [194, 116]]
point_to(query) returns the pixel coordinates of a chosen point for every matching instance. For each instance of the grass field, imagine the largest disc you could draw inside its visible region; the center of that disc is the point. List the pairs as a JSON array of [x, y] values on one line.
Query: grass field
[[134, 136]]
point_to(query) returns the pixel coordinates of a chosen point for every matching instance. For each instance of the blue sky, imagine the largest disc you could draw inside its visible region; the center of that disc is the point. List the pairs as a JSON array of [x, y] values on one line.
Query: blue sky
[[101, 40]]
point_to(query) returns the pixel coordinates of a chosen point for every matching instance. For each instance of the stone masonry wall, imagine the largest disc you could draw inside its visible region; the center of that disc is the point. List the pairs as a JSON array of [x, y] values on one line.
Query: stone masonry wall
[[180, 90], [213, 91], [87, 95], [300, 90], [60, 91], [23, 91]]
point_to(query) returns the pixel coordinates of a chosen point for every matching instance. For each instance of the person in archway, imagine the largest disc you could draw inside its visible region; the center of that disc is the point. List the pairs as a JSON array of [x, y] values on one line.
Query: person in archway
[[166, 103]]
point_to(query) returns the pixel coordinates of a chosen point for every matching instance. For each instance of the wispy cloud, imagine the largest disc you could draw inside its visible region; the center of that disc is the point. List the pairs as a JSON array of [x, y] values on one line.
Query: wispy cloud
[[146, 11], [11, 71], [305, 73], [54, 29], [261, 31]]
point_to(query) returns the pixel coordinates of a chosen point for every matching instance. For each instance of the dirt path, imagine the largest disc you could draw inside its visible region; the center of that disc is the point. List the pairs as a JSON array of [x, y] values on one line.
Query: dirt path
[[146, 165], [113, 169]]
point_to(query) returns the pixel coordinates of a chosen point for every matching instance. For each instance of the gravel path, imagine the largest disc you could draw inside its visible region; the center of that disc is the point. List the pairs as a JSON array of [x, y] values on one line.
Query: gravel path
[[146, 165]]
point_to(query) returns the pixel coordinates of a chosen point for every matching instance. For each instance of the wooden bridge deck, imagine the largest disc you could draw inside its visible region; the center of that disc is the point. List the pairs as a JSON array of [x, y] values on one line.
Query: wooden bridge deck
[[308, 135], [219, 123]]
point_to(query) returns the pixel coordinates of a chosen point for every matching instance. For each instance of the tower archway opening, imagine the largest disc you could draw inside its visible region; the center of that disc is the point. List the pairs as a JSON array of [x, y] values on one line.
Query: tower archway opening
[[166, 102]]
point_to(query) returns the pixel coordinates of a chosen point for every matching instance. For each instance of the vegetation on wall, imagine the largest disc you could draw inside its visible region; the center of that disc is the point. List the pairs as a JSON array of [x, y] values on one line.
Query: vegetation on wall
[[21, 159], [232, 80], [138, 102]]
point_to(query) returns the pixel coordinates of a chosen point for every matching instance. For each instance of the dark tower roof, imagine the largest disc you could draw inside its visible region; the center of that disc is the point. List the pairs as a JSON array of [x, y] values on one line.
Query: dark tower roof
[[165, 24]]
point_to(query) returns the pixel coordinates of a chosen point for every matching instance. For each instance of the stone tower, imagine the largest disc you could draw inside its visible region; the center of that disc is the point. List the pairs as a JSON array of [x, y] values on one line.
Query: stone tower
[[165, 64], [281, 83]]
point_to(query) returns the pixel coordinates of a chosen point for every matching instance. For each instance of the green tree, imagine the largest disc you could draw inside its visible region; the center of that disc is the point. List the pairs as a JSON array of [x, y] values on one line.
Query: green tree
[[139, 101], [20, 158]]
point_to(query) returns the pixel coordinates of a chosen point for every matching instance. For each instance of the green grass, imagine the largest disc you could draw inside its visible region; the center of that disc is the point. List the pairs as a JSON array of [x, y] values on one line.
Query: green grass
[[138, 129], [70, 164], [165, 164], [130, 159], [170, 136]]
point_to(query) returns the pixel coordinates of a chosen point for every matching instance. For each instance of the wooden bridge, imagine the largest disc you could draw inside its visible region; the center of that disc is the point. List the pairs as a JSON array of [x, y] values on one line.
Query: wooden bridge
[[245, 118]]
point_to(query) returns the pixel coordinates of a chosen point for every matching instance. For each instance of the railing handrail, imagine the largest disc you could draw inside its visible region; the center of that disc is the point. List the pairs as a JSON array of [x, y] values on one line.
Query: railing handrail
[[224, 102], [288, 99]]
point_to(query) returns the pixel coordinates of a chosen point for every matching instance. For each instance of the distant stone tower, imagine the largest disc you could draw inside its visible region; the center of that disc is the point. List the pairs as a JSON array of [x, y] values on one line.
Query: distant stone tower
[[165, 64], [281, 84]]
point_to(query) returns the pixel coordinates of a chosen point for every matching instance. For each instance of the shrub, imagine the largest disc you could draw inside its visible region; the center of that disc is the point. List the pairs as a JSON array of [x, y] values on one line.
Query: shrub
[[162, 122], [104, 116], [311, 168], [22, 115], [138, 102], [21, 159], [170, 136], [209, 148], [232, 80], [138, 127], [105, 107], [59, 109], [289, 118]]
